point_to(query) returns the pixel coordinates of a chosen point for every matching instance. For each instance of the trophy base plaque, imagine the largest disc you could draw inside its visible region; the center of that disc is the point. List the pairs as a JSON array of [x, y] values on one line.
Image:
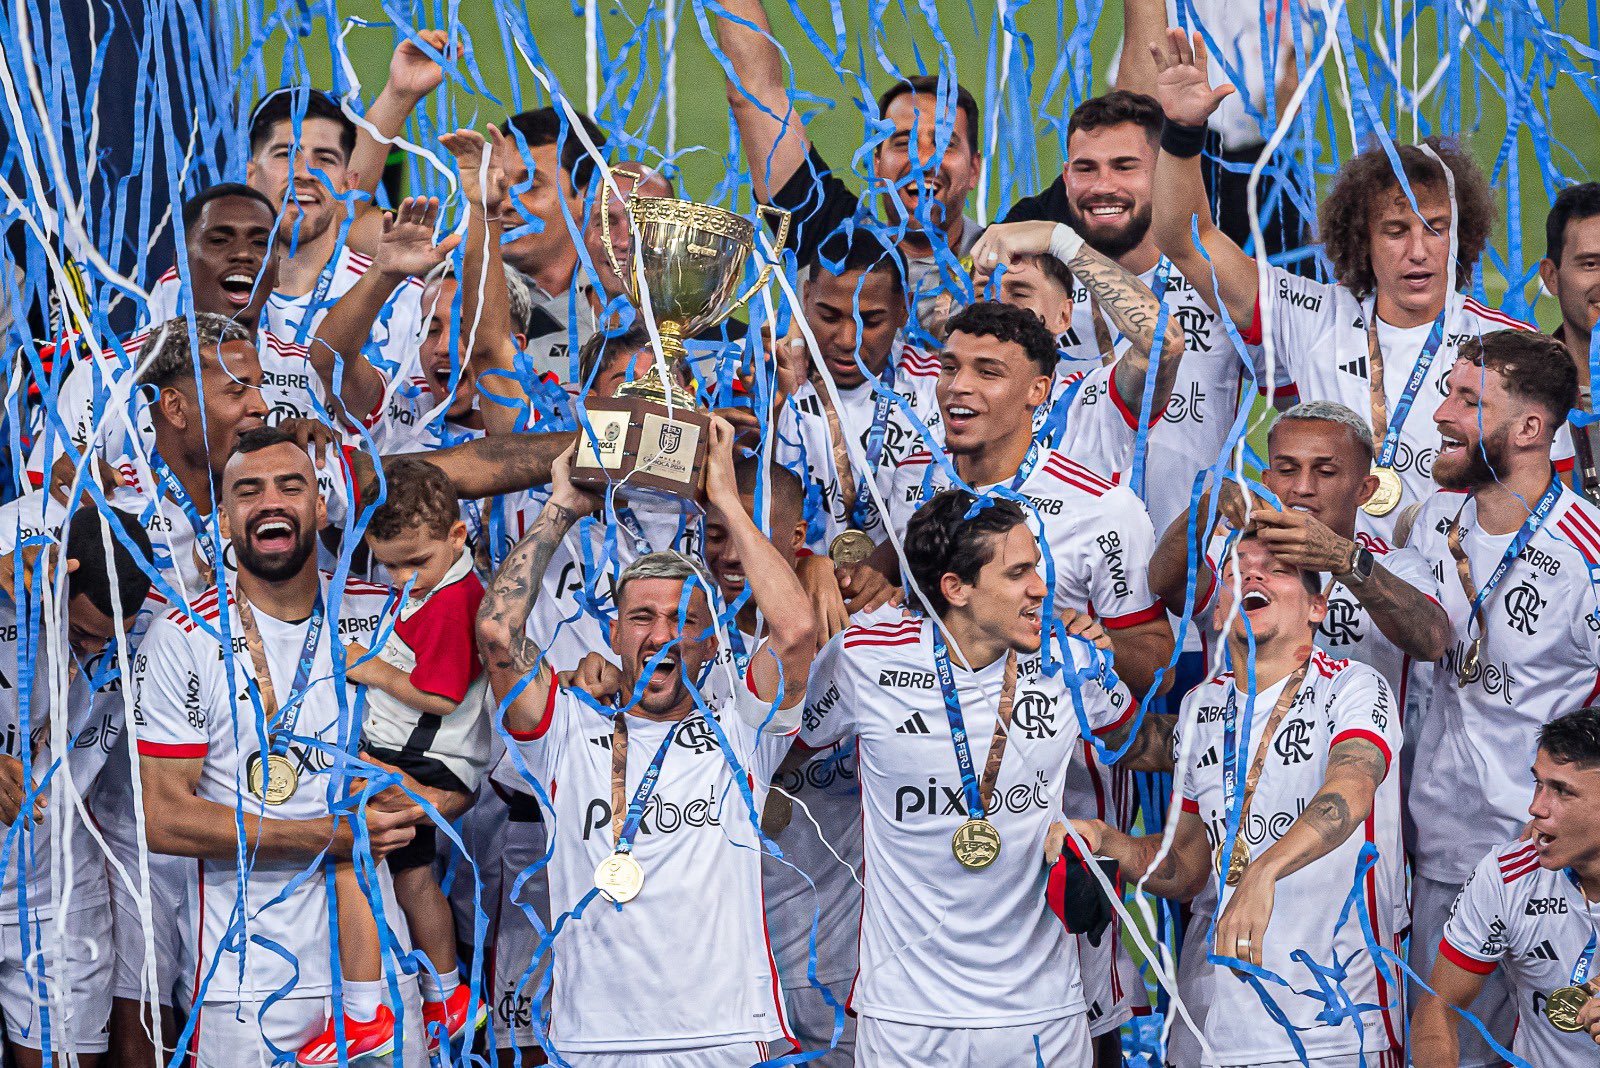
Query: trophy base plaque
[[643, 448]]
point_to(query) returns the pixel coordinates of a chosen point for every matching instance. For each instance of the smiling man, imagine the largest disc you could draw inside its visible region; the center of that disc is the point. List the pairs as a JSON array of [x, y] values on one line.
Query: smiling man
[[653, 834], [1382, 338], [218, 762], [1529, 913], [1516, 555], [1309, 742], [1570, 271]]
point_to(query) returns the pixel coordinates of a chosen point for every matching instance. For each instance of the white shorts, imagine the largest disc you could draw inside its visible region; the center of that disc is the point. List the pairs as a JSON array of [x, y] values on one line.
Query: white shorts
[[517, 1017], [732, 1055], [169, 913], [235, 1034], [1060, 1043], [1194, 989], [811, 1019], [1431, 903], [1112, 986], [76, 982]]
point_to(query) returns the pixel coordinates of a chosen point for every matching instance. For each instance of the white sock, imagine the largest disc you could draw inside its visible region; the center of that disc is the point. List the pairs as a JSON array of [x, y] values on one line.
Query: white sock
[[439, 989], [361, 1000]]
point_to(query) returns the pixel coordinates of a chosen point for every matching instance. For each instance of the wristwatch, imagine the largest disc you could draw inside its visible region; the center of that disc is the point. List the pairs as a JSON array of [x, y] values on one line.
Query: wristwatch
[[1361, 564]]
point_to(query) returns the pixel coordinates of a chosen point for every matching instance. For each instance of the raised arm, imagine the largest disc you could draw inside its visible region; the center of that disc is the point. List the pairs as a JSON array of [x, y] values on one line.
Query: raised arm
[[412, 76], [338, 347], [485, 467], [1182, 874], [1355, 768], [775, 143], [791, 625], [1169, 565], [509, 655], [1119, 292], [1144, 24], [1188, 100], [486, 320]]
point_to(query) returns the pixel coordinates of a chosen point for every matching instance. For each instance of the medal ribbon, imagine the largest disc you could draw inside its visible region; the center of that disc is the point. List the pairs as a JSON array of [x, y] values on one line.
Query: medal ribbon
[[856, 493], [180, 496], [1382, 429], [978, 796], [741, 655], [1235, 804], [262, 691], [624, 829], [1585, 963], [1530, 527], [625, 516]]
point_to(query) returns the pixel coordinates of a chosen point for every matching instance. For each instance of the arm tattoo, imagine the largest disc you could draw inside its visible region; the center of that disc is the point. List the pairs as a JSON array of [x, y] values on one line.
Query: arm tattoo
[[1329, 812], [510, 596], [1361, 756], [1135, 310], [1151, 749], [1329, 815], [1405, 615]]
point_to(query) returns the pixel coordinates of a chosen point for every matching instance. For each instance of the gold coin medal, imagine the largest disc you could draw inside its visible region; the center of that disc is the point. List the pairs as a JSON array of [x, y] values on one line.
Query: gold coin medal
[[275, 779], [1561, 1008], [1386, 498], [620, 876], [850, 548], [976, 843]]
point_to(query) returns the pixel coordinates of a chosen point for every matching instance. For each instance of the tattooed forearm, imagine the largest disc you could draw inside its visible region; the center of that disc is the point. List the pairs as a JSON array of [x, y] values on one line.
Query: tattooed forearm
[[1329, 815], [1355, 769], [1135, 311], [1151, 749], [503, 616], [1419, 626], [1360, 756]]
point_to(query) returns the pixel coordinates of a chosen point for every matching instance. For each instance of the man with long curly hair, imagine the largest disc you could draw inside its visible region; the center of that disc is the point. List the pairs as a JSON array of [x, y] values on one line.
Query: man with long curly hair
[[1380, 339]]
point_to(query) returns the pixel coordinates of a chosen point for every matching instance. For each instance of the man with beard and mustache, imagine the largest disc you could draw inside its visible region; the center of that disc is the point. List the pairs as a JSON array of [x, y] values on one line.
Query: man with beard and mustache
[[922, 173], [1570, 272], [1516, 554], [237, 745], [1383, 336], [684, 886]]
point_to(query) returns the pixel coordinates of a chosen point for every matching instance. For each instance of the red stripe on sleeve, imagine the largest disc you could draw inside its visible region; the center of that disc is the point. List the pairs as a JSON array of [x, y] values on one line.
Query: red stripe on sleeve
[[1133, 619], [1370, 736], [173, 750], [1252, 336], [1464, 962], [544, 721]]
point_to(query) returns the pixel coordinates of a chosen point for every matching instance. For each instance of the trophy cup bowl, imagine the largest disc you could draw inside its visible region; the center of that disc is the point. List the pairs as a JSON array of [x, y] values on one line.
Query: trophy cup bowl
[[683, 272]]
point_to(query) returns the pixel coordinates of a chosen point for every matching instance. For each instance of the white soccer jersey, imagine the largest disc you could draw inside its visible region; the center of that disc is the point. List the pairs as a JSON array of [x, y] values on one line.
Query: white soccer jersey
[[1318, 333], [1517, 914], [1540, 658], [1339, 700], [396, 334], [805, 446], [90, 728], [1095, 534], [193, 703], [943, 946], [1096, 429], [1189, 433], [1347, 631], [692, 945]]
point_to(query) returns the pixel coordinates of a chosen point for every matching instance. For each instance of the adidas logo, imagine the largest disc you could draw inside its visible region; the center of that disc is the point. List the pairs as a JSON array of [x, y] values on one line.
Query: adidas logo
[[602, 740], [1357, 367], [915, 725], [1210, 758], [1544, 951]]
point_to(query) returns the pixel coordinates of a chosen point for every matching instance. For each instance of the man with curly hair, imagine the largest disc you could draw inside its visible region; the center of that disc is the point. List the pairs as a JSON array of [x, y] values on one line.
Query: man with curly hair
[[1381, 338]]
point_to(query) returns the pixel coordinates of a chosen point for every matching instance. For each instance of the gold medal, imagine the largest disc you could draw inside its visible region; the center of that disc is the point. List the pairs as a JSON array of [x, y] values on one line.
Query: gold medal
[[280, 782], [976, 844], [1561, 1008], [1235, 868], [619, 877], [850, 548], [1469, 662], [1386, 498]]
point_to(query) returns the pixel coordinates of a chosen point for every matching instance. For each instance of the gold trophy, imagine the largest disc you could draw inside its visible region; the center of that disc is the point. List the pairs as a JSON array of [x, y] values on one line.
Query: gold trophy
[[691, 257]]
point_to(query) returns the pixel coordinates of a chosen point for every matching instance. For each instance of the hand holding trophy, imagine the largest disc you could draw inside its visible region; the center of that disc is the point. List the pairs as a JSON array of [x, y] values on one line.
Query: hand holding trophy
[[687, 259]]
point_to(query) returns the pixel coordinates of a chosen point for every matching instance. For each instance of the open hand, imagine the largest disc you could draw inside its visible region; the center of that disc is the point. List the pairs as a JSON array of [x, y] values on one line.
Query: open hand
[[412, 73], [1183, 81], [406, 248]]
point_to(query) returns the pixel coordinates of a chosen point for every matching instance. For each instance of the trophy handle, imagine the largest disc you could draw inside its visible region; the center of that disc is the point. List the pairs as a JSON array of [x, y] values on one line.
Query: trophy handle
[[630, 171], [762, 211]]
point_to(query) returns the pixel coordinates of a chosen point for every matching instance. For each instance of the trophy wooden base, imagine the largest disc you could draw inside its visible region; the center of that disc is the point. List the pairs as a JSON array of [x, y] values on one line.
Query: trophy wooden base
[[643, 449]]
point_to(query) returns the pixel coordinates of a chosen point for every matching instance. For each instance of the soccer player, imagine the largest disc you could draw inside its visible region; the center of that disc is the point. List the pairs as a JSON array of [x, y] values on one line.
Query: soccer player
[[1382, 338], [922, 174], [1106, 194], [51, 963], [1529, 913], [1382, 600], [1279, 815], [1570, 271], [246, 791], [994, 371], [665, 886], [1515, 555], [1033, 260], [962, 962]]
